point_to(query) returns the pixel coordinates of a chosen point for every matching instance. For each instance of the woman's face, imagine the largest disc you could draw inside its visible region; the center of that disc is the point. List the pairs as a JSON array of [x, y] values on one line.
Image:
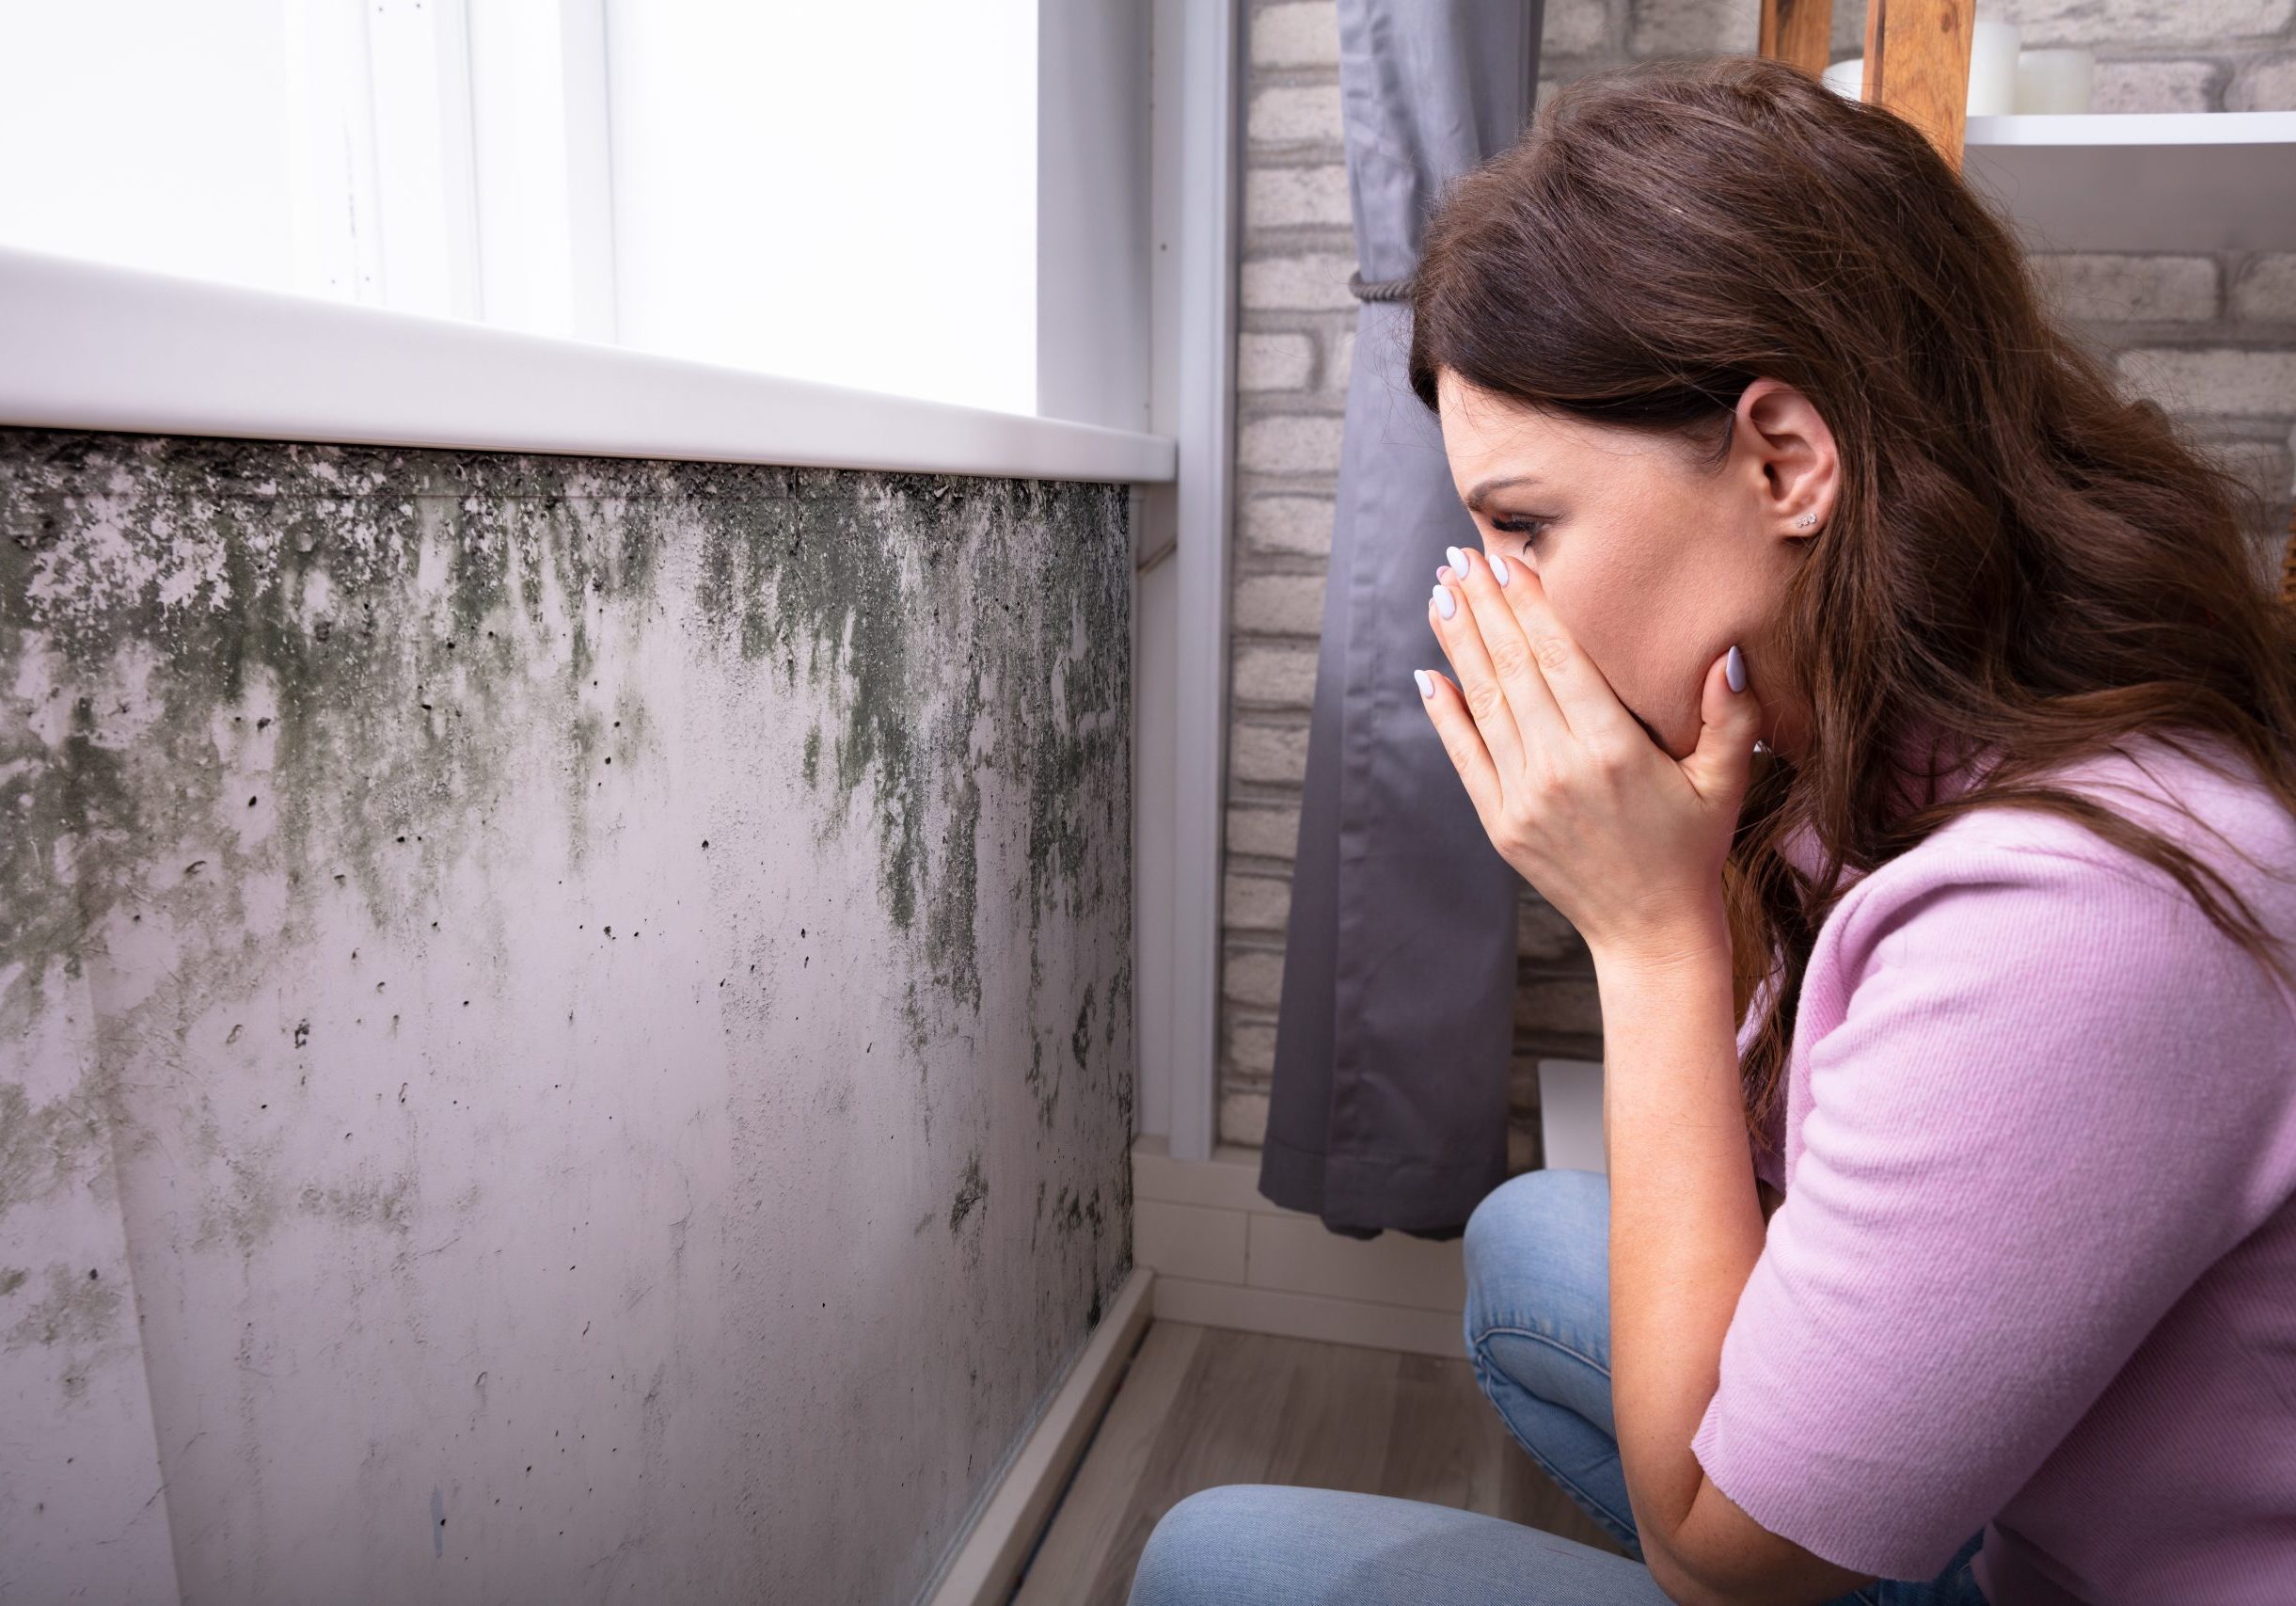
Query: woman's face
[[1654, 565]]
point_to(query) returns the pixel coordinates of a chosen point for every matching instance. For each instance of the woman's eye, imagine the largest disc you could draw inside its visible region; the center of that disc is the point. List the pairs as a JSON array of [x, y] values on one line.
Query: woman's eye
[[1529, 529]]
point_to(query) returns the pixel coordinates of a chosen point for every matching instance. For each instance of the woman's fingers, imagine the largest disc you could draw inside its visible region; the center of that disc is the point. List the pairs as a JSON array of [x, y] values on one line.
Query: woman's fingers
[[1580, 697], [1456, 728], [1482, 691], [1510, 652]]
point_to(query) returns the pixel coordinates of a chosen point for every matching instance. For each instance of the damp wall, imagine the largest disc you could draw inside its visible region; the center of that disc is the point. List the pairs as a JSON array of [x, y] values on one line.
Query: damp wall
[[565, 1023]]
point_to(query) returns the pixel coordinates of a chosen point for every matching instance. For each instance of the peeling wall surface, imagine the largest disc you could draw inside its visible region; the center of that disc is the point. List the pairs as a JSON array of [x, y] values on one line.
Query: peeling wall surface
[[565, 1023]]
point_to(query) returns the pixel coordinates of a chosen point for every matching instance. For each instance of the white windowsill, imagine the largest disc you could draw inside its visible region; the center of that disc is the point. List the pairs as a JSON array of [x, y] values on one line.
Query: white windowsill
[[90, 346]]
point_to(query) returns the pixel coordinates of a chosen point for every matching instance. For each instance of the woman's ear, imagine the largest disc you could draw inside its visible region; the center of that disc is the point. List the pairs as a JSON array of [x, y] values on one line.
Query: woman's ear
[[1795, 453]]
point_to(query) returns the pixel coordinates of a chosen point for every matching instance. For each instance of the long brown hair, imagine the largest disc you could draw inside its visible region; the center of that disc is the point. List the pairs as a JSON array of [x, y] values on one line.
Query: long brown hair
[[2019, 562]]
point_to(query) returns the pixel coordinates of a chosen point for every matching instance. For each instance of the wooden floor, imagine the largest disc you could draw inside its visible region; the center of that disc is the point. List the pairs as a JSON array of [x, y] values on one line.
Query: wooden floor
[[1205, 1406]]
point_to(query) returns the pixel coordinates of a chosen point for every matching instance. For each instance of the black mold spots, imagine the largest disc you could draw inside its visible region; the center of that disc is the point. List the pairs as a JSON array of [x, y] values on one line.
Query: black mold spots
[[391, 640], [365, 1203], [1120, 997], [73, 791], [1073, 1213], [1092, 1214], [11, 1278], [78, 1315], [916, 603], [971, 1191], [1120, 1010], [42, 1151], [392, 603], [1080, 1039], [1047, 1091]]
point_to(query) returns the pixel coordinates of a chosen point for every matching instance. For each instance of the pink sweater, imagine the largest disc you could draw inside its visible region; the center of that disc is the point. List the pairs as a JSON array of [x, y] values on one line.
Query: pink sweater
[[2036, 1267]]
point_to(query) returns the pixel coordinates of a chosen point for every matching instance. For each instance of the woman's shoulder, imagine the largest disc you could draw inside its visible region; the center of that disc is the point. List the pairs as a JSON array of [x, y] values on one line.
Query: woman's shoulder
[[2196, 789], [2000, 873]]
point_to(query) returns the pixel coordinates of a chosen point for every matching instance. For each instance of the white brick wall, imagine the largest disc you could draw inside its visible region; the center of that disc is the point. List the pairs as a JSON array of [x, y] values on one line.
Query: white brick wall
[[1274, 362], [1262, 753], [1274, 676], [1293, 526], [1293, 114], [1291, 443], [1315, 282], [2264, 288], [1292, 35], [2214, 338], [1278, 197], [2129, 289], [2266, 84], [2157, 86]]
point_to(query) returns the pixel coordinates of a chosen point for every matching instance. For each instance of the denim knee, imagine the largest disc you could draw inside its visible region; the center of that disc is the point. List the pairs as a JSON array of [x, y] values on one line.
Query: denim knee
[[1181, 1565], [1536, 1251]]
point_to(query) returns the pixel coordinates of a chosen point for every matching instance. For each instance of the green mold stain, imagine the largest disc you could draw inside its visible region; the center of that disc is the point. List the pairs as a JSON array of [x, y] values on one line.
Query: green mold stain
[[409, 613], [403, 629], [972, 1192], [80, 1308], [1080, 1039], [391, 604], [47, 1149], [902, 600]]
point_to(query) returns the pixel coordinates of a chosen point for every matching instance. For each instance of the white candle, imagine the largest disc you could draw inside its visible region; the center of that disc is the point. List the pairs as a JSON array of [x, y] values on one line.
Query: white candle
[[1992, 69], [1999, 74], [2054, 80]]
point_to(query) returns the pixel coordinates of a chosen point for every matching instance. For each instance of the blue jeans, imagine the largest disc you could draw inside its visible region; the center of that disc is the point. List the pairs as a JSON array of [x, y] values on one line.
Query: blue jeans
[[1538, 1330]]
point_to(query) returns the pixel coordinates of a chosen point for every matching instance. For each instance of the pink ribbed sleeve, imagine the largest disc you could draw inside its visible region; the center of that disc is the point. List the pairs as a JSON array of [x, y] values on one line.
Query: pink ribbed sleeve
[[2035, 1094]]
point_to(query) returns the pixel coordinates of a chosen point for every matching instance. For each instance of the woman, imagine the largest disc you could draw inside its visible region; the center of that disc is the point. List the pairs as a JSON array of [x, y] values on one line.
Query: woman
[[1771, 446]]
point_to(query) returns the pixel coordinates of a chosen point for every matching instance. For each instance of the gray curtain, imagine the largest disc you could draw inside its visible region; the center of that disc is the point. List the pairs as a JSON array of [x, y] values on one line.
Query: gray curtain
[[1394, 1027]]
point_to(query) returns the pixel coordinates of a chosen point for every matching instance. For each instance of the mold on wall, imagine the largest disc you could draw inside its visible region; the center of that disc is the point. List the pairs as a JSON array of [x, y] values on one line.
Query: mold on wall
[[564, 1022]]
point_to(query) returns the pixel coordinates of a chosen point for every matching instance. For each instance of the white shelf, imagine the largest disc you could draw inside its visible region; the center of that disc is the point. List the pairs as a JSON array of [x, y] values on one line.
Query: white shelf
[[2141, 181]]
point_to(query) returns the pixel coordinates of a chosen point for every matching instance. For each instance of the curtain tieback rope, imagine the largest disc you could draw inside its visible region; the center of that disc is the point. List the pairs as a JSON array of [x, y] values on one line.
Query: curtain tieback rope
[[1378, 290]]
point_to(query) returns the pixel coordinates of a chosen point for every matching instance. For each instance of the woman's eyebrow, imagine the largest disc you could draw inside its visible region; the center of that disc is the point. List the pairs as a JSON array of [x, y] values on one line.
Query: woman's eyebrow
[[1481, 493]]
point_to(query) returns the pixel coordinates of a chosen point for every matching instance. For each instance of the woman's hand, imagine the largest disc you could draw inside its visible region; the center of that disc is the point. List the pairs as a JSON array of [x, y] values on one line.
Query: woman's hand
[[1625, 840]]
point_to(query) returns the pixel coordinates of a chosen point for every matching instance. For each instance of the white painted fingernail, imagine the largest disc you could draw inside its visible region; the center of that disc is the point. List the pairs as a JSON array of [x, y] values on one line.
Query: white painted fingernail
[[1458, 558], [1443, 604], [1427, 684], [1443, 572], [1498, 567]]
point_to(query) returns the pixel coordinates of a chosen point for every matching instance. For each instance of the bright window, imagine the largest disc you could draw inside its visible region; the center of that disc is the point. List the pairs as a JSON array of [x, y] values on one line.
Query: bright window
[[837, 191], [845, 191]]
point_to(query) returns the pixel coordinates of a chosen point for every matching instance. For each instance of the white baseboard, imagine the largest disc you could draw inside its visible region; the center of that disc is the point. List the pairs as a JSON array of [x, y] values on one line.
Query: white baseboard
[[987, 1564], [1226, 1256]]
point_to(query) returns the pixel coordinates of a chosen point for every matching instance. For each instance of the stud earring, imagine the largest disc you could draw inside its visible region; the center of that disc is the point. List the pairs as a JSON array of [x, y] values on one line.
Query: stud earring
[[1806, 521]]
